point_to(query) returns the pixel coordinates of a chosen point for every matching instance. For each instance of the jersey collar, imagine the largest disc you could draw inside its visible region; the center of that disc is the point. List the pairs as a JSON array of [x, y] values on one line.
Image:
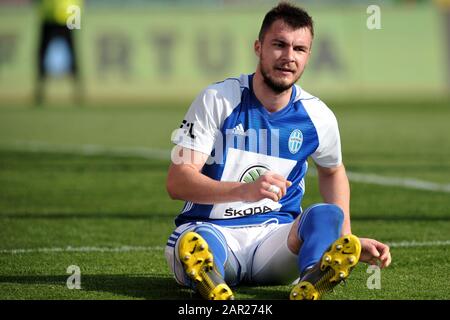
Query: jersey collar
[[262, 109]]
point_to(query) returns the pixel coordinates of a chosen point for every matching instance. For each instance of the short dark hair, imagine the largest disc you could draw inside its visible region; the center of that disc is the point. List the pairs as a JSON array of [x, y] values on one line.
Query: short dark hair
[[293, 16]]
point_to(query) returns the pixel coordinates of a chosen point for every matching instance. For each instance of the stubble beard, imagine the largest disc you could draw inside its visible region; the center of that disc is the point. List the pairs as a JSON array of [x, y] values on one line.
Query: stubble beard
[[277, 86]]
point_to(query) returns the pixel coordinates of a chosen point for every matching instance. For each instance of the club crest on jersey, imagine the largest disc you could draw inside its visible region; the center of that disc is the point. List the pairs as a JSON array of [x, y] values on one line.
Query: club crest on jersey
[[295, 141], [253, 173]]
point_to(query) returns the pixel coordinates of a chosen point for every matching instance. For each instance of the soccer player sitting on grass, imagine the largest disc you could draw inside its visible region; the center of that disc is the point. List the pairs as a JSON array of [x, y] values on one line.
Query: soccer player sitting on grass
[[240, 162]]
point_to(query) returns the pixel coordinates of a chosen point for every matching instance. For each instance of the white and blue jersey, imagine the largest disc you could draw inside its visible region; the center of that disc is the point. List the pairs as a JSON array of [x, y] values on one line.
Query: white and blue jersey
[[243, 140]]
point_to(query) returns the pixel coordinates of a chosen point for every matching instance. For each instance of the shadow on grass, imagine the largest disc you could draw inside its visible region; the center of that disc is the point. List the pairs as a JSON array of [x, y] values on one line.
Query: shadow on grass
[[262, 293], [133, 286], [152, 287]]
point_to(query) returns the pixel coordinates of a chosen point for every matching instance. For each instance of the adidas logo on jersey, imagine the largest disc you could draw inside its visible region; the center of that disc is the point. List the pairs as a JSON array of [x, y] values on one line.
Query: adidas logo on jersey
[[238, 130]]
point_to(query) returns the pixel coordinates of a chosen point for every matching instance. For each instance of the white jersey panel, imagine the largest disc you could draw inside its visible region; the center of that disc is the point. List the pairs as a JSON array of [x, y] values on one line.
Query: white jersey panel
[[328, 153], [241, 163], [207, 113]]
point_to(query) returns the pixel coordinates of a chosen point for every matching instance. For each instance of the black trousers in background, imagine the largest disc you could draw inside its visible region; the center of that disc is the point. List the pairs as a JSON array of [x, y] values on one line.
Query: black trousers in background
[[50, 31]]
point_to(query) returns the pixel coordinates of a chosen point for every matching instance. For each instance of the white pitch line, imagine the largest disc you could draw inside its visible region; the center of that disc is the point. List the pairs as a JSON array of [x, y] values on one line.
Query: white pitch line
[[398, 182], [414, 244], [82, 249], [407, 183], [402, 244], [164, 154], [89, 150]]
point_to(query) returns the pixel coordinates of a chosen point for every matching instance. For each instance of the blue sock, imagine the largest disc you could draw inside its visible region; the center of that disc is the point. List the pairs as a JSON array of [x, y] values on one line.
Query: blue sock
[[319, 227], [216, 243]]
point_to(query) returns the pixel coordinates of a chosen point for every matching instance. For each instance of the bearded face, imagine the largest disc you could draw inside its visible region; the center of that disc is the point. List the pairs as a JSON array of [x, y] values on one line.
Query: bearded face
[[283, 55]]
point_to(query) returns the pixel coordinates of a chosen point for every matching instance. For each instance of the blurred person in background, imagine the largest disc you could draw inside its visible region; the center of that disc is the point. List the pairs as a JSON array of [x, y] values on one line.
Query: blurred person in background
[[243, 221], [56, 47]]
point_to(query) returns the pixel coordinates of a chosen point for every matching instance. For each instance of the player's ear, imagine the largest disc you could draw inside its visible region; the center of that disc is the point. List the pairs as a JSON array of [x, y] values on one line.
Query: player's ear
[[257, 48]]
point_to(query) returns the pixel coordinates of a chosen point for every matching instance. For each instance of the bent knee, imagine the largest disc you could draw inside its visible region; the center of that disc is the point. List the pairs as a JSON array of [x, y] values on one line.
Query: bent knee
[[325, 212]]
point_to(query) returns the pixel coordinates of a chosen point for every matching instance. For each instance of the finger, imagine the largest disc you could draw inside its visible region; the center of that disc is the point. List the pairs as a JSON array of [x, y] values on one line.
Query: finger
[[278, 177], [280, 193], [385, 255], [273, 188], [384, 252], [270, 195], [373, 251], [387, 261], [281, 179], [265, 185], [279, 184], [277, 188]]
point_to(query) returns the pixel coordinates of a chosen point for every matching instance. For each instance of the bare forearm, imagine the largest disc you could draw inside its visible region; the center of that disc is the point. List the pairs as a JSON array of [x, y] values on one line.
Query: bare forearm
[[186, 182], [335, 188], [191, 185]]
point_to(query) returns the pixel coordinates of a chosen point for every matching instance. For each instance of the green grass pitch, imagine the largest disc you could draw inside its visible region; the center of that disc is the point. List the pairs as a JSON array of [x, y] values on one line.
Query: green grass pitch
[[53, 198]]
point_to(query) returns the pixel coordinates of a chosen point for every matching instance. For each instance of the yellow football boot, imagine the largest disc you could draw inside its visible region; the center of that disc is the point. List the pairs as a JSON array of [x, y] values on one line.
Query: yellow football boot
[[199, 265], [335, 265]]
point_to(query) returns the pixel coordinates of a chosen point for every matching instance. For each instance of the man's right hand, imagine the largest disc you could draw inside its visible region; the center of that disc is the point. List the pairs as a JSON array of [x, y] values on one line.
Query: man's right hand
[[255, 191]]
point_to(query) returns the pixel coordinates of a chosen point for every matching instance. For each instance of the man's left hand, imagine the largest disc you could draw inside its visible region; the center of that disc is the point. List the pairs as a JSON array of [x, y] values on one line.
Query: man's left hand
[[374, 252]]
